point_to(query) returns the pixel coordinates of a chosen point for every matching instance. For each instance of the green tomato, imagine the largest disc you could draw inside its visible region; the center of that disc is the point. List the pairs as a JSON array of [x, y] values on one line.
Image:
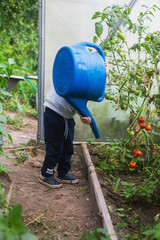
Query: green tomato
[[131, 133], [119, 50], [105, 52], [121, 54], [137, 92], [106, 96], [107, 45], [121, 36], [111, 97], [122, 106], [132, 74], [113, 42], [115, 74]]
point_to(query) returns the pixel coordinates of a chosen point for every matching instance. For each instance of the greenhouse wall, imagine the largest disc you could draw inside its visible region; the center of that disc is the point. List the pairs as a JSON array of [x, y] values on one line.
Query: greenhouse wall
[[68, 22]]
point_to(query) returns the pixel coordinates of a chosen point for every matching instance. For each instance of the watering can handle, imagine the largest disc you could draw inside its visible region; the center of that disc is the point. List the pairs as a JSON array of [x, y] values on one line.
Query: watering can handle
[[89, 44], [100, 51]]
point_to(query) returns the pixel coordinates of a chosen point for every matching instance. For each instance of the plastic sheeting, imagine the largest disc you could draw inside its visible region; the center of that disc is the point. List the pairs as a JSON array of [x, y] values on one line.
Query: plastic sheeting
[[68, 22]]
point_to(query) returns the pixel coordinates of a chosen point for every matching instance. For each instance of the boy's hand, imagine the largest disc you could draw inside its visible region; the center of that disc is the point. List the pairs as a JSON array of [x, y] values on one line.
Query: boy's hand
[[86, 120]]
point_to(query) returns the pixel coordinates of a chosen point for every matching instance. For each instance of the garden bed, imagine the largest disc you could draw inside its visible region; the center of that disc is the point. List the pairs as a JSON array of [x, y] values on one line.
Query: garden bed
[[134, 216]]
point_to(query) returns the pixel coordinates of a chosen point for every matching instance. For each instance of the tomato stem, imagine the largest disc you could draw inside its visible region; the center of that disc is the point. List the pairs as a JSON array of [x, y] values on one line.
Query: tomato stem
[[147, 180]]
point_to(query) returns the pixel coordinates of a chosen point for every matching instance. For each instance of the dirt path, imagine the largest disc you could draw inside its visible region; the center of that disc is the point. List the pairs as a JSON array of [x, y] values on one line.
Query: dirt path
[[66, 213]]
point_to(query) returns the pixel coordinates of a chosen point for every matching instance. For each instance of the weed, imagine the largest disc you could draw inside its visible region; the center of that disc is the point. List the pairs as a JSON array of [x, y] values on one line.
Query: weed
[[3, 169], [20, 148], [99, 233], [17, 122], [153, 233], [114, 185], [21, 157], [32, 142], [84, 190], [75, 163], [29, 111], [2, 197]]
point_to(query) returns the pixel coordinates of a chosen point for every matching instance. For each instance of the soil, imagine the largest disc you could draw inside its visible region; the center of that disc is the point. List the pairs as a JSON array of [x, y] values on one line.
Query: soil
[[68, 212], [65, 213]]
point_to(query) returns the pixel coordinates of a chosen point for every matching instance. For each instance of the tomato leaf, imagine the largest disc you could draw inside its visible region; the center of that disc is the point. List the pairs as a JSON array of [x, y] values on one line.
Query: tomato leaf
[[96, 15], [98, 29], [95, 39]]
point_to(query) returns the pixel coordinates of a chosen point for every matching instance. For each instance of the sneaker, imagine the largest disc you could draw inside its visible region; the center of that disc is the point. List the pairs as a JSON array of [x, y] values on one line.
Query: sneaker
[[68, 179], [50, 182]]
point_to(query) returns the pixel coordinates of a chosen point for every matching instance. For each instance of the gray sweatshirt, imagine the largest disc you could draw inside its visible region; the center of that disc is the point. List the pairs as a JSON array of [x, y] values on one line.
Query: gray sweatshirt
[[59, 104]]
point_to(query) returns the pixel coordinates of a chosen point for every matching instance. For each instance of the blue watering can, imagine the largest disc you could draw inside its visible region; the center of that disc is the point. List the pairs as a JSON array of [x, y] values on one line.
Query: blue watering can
[[80, 75]]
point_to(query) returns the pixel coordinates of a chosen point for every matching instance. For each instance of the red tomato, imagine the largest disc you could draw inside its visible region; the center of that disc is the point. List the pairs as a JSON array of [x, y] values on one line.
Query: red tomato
[[141, 119], [132, 164], [138, 153], [134, 151], [148, 127], [142, 125]]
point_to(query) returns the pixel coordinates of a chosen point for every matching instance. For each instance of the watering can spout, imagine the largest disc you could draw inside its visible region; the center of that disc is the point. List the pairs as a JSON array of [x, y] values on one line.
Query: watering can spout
[[81, 106]]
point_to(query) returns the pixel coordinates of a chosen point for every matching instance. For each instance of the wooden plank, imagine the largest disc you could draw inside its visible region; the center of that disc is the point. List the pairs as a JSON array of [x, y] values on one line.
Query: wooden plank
[[98, 195]]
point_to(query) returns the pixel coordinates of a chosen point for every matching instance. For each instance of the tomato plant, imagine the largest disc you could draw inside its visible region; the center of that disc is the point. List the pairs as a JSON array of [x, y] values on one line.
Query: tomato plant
[[130, 79], [133, 83]]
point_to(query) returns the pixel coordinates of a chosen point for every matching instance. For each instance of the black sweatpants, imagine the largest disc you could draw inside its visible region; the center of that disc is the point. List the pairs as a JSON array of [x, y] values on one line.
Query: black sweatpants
[[58, 136]]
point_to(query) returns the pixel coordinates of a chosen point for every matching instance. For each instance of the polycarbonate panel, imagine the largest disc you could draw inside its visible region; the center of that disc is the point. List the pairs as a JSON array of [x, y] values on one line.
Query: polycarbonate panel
[[69, 22]]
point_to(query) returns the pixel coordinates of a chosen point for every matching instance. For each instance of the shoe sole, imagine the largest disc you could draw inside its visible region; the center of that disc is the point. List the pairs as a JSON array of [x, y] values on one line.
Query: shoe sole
[[68, 181], [50, 186]]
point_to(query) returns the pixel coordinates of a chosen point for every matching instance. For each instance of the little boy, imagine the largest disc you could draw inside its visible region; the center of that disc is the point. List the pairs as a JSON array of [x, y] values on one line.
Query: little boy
[[58, 135]]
